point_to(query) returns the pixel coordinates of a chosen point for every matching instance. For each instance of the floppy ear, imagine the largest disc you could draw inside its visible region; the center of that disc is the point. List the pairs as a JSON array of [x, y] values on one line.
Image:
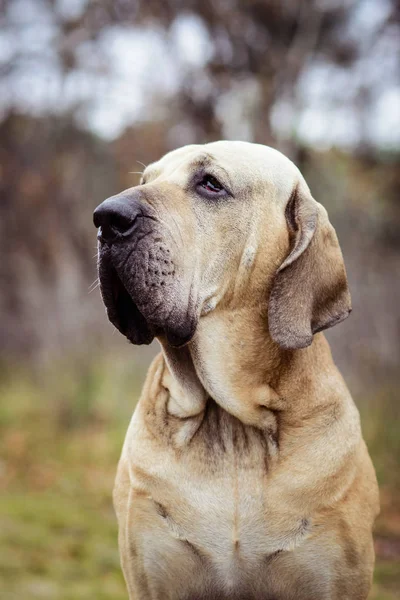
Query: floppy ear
[[310, 291]]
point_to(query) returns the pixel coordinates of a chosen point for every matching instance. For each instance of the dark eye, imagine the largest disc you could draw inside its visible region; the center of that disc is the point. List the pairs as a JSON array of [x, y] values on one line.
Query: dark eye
[[211, 184]]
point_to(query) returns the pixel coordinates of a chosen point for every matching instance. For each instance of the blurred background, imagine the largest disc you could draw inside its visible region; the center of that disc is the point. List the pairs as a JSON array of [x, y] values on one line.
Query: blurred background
[[90, 91]]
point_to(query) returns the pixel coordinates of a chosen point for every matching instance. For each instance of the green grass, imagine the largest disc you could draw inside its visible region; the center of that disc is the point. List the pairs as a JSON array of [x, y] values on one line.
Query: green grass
[[61, 434], [60, 440]]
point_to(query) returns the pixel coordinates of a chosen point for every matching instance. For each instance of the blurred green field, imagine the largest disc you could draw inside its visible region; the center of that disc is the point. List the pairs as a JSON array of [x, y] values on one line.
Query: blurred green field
[[60, 438]]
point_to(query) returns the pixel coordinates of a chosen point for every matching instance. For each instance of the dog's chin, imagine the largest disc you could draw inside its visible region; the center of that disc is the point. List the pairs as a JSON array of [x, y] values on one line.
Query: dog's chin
[[124, 314]]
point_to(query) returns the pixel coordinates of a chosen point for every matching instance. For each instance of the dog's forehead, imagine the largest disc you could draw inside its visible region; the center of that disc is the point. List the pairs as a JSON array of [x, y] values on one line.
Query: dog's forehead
[[250, 156], [241, 159]]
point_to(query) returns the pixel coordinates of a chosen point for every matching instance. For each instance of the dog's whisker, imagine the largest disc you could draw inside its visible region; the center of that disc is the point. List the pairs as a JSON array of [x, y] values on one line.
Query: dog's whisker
[[95, 288], [140, 163], [94, 285]]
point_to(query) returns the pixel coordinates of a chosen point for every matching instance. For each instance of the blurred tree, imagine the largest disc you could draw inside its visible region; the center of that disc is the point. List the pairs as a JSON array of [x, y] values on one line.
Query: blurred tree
[[51, 174], [256, 62]]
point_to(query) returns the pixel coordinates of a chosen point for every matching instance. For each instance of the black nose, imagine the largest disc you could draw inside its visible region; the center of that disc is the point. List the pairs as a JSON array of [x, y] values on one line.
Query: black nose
[[116, 216]]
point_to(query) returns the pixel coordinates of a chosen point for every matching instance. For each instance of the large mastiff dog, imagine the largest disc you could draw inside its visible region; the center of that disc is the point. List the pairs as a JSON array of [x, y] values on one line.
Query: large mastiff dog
[[244, 474]]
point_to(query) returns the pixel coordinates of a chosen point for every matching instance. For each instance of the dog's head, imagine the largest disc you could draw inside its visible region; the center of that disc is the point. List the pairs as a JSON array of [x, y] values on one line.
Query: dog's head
[[221, 226]]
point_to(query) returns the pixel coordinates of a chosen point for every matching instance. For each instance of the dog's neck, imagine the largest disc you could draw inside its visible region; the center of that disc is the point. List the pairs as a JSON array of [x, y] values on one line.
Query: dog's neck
[[233, 360]]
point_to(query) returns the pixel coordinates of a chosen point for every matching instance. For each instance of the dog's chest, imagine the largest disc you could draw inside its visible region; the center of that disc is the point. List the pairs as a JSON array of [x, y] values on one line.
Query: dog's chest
[[211, 498]]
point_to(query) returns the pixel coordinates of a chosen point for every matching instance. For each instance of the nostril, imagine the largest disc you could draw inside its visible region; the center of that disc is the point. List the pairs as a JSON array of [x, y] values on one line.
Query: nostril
[[119, 223]]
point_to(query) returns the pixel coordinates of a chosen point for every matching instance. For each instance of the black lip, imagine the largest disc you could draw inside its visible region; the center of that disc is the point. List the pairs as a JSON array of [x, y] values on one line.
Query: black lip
[[121, 309], [125, 315], [129, 316]]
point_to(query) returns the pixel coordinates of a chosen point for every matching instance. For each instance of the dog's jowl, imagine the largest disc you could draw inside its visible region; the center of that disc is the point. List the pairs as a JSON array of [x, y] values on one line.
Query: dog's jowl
[[244, 474]]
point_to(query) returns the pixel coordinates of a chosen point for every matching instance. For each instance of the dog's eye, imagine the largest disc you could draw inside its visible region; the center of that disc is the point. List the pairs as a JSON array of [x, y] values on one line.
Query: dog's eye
[[211, 184]]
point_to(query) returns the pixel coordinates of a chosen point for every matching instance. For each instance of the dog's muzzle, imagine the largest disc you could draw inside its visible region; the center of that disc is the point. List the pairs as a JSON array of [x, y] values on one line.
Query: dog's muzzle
[[137, 272]]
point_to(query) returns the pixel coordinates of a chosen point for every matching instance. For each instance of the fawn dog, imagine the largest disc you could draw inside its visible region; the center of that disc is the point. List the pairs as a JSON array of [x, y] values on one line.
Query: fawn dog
[[244, 475]]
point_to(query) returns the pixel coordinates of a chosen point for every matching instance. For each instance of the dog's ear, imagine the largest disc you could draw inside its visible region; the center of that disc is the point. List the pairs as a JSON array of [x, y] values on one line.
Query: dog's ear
[[310, 291]]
